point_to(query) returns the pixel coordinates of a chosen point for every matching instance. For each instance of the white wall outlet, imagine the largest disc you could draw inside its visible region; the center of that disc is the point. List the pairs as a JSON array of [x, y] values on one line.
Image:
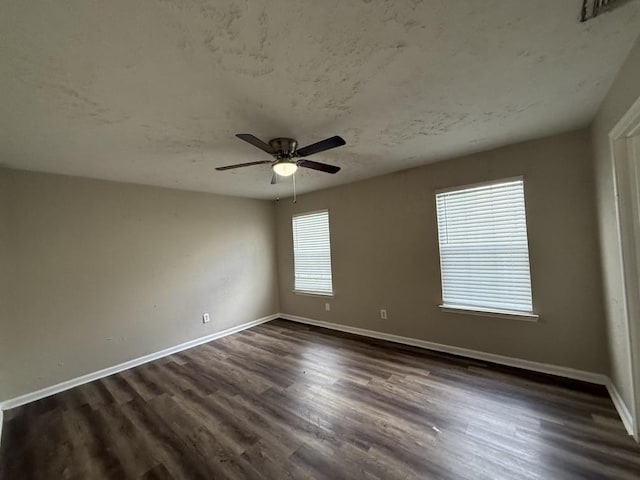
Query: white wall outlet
[[383, 313], [205, 318], [327, 307]]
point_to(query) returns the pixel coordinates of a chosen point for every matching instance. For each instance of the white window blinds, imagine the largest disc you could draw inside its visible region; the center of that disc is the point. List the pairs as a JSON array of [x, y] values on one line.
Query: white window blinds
[[484, 254], [312, 253]]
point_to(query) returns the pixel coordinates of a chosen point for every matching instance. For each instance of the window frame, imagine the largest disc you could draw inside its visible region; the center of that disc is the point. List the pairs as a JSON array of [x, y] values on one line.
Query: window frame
[[312, 293], [531, 316]]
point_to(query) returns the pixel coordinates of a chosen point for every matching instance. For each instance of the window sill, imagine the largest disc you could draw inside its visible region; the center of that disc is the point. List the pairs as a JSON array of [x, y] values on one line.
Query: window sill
[[313, 294], [485, 312]]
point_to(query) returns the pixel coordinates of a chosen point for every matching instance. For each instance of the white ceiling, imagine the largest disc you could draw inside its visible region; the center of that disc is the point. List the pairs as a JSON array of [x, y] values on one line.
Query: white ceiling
[[152, 91]]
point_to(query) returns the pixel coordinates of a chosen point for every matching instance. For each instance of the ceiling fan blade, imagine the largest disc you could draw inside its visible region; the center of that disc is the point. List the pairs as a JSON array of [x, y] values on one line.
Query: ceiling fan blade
[[323, 167], [274, 178], [238, 165], [321, 146], [256, 142]]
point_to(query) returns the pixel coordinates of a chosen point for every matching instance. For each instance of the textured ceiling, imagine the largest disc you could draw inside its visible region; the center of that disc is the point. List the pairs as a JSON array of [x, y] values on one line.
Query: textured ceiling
[[153, 92]]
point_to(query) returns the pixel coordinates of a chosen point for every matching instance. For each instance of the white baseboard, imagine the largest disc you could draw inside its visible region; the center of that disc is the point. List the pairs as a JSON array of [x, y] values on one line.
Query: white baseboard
[[566, 372], [90, 377], [621, 407], [597, 378]]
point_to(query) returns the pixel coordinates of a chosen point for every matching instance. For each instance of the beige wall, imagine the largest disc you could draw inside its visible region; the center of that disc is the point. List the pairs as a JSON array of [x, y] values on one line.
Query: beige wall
[[624, 91], [385, 255], [105, 272], [5, 273], [96, 273]]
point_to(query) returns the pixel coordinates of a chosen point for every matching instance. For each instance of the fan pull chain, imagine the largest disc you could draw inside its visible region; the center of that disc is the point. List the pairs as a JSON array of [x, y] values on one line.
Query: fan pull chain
[[294, 187]]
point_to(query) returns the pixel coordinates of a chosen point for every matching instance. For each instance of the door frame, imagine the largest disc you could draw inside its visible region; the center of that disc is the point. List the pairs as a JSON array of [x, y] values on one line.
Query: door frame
[[626, 184]]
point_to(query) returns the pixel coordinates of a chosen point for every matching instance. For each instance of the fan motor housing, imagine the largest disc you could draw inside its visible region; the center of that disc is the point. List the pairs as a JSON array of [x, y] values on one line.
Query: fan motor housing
[[284, 147]]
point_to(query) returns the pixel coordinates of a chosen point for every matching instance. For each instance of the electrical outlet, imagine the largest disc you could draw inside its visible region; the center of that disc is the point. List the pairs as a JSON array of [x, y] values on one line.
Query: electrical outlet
[[383, 313], [327, 307], [205, 318]]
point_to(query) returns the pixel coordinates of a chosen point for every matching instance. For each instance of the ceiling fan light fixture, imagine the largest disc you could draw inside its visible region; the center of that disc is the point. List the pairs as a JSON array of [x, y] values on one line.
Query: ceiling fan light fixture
[[286, 155], [285, 169]]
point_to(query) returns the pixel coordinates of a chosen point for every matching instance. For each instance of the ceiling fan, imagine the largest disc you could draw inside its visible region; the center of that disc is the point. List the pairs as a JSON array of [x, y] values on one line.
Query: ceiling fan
[[287, 155]]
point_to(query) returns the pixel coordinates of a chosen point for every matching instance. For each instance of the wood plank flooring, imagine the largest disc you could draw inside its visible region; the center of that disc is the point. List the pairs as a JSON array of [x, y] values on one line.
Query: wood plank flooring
[[288, 401]]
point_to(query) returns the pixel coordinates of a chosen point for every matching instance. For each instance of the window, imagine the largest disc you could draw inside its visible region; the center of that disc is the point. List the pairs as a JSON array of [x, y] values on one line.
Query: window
[[484, 254], [312, 253]]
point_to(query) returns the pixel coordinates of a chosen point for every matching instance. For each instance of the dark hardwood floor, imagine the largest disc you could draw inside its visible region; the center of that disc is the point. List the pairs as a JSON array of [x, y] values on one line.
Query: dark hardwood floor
[[284, 400]]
